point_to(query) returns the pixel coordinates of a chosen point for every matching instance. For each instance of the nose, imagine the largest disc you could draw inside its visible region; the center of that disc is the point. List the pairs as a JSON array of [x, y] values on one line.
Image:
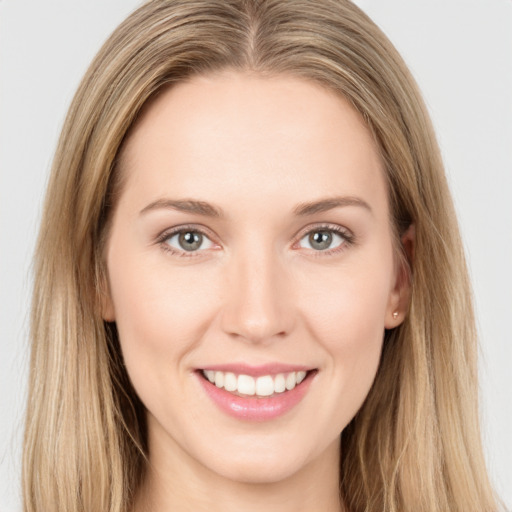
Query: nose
[[258, 306]]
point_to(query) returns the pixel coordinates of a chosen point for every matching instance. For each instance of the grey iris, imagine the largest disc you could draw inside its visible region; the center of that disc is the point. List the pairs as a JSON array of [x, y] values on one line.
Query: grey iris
[[320, 240], [190, 240]]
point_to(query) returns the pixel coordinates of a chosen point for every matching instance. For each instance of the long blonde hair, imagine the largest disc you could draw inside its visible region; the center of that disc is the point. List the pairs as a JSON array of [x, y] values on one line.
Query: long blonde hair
[[415, 444]]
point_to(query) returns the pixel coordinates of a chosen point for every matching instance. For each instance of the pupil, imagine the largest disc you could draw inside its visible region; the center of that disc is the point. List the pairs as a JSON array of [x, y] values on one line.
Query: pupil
[[320, 240], [190, 240]]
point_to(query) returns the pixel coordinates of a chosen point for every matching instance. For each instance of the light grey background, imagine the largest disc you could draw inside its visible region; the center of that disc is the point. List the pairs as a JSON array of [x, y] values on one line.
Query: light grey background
[[460, 51]]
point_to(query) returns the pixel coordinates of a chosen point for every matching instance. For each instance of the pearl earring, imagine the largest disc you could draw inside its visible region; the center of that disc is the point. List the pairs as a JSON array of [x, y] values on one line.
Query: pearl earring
[[395, 315]]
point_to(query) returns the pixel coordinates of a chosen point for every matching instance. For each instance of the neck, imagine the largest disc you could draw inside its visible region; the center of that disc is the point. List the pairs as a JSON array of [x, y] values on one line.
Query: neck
[[180, 483]]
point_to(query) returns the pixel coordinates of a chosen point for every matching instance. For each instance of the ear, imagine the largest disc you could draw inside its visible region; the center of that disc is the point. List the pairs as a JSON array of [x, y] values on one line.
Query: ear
[[105, 299], [401, 293]]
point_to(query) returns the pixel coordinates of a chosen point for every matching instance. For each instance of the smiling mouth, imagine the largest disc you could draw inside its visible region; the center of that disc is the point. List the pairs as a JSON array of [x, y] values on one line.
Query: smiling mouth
[[264, 386]]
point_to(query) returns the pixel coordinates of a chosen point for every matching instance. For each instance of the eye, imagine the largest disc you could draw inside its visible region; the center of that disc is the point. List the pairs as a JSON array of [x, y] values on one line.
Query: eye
[[323, 239], [188, 240]]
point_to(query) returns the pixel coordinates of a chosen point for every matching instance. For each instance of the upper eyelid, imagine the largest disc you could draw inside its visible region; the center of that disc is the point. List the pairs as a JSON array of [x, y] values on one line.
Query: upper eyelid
[[326, 226], [167, 233]]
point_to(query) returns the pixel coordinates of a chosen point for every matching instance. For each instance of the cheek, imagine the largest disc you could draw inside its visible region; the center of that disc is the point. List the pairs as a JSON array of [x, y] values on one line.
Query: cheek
[[160, 313], [347, 316], [346, 306]]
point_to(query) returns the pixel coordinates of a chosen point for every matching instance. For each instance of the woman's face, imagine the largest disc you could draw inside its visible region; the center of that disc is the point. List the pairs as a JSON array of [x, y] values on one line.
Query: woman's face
[[251, 243]]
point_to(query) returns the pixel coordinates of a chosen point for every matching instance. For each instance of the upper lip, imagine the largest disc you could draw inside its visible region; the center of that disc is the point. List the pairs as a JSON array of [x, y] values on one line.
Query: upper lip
[[257, 370]]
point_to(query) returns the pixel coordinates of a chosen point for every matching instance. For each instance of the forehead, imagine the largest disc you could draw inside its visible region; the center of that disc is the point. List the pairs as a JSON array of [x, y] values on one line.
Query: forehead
[[235, 133]]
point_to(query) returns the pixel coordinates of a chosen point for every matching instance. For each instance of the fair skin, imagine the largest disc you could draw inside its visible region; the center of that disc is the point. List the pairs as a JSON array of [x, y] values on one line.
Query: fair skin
[[291, 262]]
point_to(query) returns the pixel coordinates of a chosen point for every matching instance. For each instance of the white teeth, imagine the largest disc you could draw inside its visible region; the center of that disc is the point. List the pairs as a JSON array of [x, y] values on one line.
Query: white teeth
[[266, 385], [279, 383], [246, 385], [230, 382], [219, 379], [291, 381]]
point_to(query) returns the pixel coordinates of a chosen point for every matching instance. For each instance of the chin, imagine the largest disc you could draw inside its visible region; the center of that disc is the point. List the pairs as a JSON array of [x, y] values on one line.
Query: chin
[[264, 460], [250, 471]]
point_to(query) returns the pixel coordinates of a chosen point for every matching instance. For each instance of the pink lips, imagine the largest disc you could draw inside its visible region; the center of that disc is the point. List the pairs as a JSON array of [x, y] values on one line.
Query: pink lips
[[256, 408]]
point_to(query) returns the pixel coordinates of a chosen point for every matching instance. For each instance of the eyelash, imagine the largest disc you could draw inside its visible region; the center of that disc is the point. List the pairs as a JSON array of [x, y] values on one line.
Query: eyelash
[[345, 234], [162, 239]]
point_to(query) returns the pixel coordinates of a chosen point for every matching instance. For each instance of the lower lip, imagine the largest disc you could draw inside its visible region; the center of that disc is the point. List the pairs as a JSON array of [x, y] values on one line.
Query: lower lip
[[254, 408]]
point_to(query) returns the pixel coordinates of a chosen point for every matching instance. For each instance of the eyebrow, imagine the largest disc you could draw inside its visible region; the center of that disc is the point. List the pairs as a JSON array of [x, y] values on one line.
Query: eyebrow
[[208, 210], [185, 205], [324, 205]]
